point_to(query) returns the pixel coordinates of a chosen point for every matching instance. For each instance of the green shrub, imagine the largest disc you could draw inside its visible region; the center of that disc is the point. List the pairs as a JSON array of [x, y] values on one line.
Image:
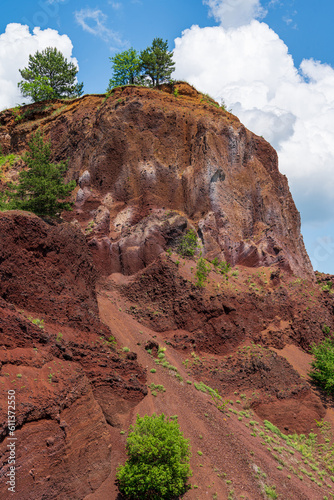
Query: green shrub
[[59, 337], [202, 271], [38, 322], [270, 491], [111, 341], [158, 387], [221, 267], [326, 330], [7, 161], [322, 371], [158, 460], [188, 244], [327, 287]]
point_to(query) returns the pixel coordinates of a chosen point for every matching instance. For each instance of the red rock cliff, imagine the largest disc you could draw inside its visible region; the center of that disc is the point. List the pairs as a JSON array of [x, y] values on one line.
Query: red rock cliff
[[141, 153]]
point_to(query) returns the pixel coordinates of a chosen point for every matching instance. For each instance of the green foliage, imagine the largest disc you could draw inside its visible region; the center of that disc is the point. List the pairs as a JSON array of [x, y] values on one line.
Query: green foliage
[[188, 244], [126, 69], [272, 428], [322, 371], [304, 444], [207, 99], [157, 387], [221, 267], [200, 386], [59, 337], [326, 330], [152, 66], [38, 322], [158, 463], [49, 76], [270, 491], [157, 62], [111, 342], [327, 287], [202, 271], [6, 161], [41, 186]]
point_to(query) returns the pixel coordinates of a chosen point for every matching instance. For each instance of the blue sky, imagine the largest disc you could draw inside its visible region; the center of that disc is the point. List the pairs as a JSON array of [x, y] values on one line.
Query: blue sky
[[271, 61], [133, 23], [306, 30]]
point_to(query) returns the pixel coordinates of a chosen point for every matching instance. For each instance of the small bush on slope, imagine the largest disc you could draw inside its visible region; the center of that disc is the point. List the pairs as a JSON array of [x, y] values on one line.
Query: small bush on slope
[[158, 463], [322, 370], [188, 244]]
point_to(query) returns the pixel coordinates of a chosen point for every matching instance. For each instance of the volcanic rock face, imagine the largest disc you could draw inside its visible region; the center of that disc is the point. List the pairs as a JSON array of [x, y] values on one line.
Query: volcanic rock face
[[150, 165], [46, 268], [143, 152], [70, 383]]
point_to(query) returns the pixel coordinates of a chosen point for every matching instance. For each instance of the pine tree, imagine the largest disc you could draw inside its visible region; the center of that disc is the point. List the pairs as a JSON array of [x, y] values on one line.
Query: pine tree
[[157, 62], [41, 187], [49, 76]]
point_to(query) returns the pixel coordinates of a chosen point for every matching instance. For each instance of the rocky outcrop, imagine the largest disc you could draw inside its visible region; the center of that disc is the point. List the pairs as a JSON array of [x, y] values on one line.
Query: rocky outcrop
[[273, 310], [46, 268], [71, 384], [141, 150]]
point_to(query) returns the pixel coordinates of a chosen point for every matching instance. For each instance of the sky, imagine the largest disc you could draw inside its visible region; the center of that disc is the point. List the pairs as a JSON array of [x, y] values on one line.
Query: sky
[[270, 61]]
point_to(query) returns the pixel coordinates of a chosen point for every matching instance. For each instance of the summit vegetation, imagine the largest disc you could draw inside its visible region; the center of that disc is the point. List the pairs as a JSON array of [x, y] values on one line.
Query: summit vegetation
[[150, 67], [49, 76]]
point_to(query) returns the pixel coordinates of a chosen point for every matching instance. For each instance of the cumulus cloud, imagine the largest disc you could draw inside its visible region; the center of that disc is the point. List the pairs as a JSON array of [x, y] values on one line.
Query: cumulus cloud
[[250, 68], [94, 21], [16, 44], [234, 13]]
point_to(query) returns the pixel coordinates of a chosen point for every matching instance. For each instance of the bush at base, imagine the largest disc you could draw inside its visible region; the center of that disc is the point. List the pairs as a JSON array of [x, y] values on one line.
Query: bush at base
[[158, 463]]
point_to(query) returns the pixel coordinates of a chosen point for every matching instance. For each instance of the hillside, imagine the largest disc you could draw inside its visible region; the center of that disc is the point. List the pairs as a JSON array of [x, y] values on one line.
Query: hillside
[[89, 301]]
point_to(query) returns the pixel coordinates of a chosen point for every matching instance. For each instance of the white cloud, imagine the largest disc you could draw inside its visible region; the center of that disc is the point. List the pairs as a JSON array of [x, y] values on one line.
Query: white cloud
[[94, 22], [116, 5], [234, 13], [250, 67], [16, 44]]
